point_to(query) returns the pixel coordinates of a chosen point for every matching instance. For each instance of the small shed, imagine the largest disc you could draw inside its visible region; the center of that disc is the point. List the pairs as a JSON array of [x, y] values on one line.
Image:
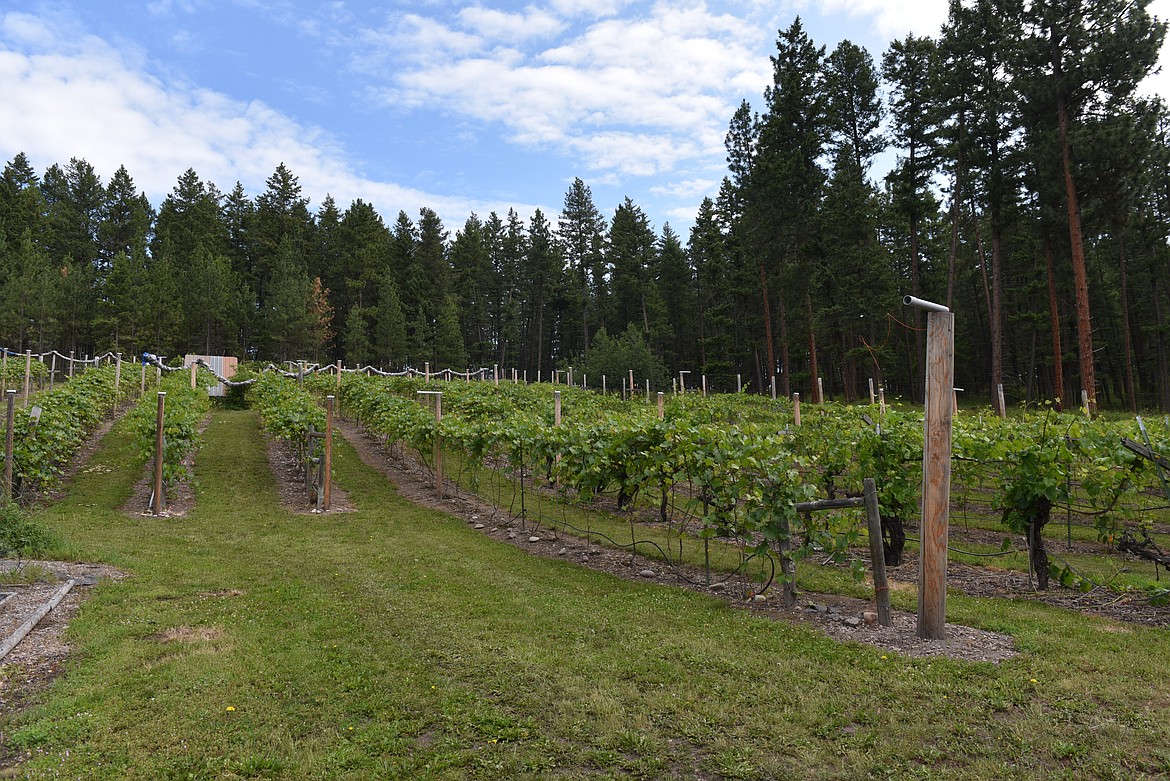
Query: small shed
[[223, 366]]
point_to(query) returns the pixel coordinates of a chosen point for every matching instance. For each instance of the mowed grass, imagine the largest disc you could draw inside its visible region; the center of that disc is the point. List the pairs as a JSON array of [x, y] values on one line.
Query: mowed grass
[[395, 642]]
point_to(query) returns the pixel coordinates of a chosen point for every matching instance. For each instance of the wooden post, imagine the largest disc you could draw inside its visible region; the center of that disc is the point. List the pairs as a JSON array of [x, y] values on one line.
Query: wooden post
[[1084, 401], [438, 455], [647, 391], [569, 378], [1002, 405], [53, 370], [631, 384], [877, 553], [796, 410], [882, 400], [936, 469], [496, 374], [159, 443], [10, 418], [603, 388], [117, 373], [142, 384], [194, 373], [872, 397], [739, 383], [704, 386], [70, 364], [773, 380], [661, 405], [820, 390], [339, 374], [27, 374], [427, 372], [327, 458]]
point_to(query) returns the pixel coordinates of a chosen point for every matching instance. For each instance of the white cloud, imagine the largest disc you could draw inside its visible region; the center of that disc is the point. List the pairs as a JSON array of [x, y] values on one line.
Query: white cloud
[[633, 96], [893, 18], [77, 96], [496, 25]]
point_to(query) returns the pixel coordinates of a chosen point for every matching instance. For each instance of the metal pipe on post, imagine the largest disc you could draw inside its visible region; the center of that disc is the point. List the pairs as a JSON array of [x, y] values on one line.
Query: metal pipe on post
[[327, 458], [936, 468], [158, 504], [10, 423]]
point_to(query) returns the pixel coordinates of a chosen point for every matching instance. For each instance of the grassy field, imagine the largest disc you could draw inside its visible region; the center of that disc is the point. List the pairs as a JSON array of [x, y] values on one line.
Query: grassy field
[[395, 642]]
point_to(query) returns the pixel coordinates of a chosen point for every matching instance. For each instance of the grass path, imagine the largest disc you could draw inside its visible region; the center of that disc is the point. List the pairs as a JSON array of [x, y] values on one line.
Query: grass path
[[394, 642]]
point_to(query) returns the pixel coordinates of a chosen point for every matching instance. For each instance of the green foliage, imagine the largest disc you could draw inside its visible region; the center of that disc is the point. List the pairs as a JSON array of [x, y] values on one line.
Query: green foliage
[[286, 410], [20, 535], [183, 413], [615, 357]]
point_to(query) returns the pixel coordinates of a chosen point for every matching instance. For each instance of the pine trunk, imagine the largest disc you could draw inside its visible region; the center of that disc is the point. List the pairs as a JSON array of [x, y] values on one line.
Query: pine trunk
[[1054, 317]]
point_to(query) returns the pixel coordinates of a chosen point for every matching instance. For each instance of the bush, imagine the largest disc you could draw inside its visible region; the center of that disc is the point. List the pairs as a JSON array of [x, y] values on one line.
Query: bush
[[20, 535], [614, 358]]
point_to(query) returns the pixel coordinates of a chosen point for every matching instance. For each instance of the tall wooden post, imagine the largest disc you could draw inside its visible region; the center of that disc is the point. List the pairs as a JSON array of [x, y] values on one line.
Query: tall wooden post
[[159, 443], [661, 405], [327, 458], [27, 374], [53, 370], [10, 418], [773, 380], [194, 373], [820, 390], [117, 373], [704, 386], [796, 410], [739, 383], [936, 468], [70, 364], [999, 398], [872, 397], [631, 384]]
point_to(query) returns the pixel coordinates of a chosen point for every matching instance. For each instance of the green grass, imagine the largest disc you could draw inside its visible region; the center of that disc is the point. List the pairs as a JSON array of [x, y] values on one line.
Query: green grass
[[395, 642]]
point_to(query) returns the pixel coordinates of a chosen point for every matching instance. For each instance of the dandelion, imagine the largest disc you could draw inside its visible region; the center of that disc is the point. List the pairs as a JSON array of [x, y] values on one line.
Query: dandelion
[[1033, 680], [231, 709], [885, 657]]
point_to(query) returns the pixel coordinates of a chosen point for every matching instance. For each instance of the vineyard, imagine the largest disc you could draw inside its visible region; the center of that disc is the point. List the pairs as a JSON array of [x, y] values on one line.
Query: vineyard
[[735, 468], [392, 641]]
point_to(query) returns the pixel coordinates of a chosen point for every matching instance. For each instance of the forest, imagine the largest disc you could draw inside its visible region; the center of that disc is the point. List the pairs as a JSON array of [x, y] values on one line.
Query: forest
[[1028, 189]]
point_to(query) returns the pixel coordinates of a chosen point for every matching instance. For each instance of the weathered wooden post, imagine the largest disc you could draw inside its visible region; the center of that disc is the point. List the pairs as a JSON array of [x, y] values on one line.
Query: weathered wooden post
[[704, 386], [796, 410], [682, 383], [327, 458], [999, 398], [71, 364], [647, 391], [53, 370], [158, 505], [631, 384], [117, 373], [194, 373], [557, 415], [936, 468], [27, 374], [882, 400], [872, 397], [739, 383], [10, 422], [438, 437], [339, 374], [820, 390], [877, 553], [496, 374], [661, 405], [773, 381], [427, 372], [603, 388], [142, 384]]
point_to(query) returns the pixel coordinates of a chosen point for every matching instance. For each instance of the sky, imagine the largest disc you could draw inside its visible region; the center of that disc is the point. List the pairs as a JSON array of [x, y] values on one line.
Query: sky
[[460, 107]]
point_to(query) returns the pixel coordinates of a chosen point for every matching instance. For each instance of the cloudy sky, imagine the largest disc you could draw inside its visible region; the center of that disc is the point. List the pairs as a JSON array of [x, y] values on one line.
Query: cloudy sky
[[457, 106]]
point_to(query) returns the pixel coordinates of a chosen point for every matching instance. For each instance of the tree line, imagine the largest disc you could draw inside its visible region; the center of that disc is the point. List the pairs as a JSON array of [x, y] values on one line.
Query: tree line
[[1029, 192]]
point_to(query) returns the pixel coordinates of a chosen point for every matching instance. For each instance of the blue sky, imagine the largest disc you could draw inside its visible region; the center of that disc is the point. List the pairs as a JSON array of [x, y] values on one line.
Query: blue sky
[[459, 107]]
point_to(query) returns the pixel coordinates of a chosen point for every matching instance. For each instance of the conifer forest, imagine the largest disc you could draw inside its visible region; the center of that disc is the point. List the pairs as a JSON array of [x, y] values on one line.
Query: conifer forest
[[1024, 183]]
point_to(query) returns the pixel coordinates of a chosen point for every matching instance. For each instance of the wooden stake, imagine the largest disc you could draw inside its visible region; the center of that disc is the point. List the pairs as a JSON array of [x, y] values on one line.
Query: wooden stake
[[661, 405], [159, 443], [796, 410], [739, 383], [877, 553], [872, 397], [117, 373], [936, 475], [1002, 405], [194, 373], [10, 418], [27, 373], [820, 390], [327, 458]]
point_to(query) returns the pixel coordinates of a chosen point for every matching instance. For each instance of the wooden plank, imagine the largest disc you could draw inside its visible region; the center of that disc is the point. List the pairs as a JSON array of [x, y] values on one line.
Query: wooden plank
[[877, 554], [936, 475]]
